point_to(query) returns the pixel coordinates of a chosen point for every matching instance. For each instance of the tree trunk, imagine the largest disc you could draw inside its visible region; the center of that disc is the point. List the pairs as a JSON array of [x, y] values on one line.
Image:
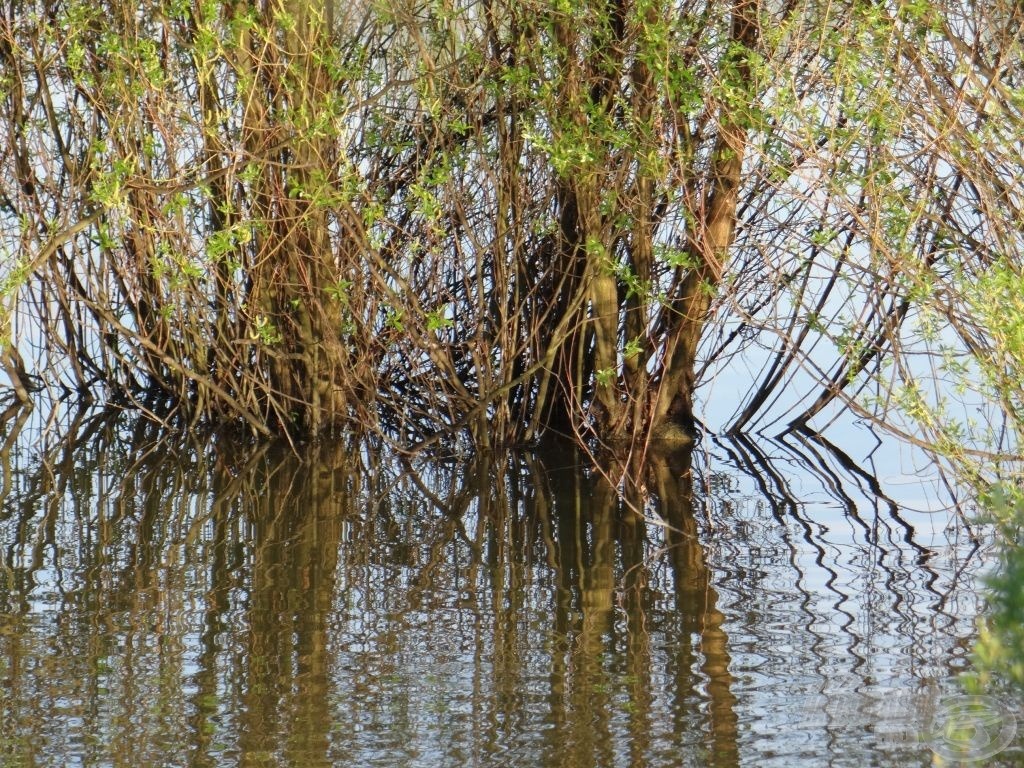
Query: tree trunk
[[294, 264], [714, 231]]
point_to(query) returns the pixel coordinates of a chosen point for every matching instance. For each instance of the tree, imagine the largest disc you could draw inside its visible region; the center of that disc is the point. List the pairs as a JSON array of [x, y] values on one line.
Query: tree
[[498, 219]]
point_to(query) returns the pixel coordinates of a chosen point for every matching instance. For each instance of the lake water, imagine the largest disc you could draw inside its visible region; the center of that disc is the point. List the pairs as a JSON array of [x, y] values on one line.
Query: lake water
[[754, 604]]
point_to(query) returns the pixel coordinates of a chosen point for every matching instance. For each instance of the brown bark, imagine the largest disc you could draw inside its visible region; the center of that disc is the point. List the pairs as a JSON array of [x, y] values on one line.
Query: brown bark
[[714, 231]]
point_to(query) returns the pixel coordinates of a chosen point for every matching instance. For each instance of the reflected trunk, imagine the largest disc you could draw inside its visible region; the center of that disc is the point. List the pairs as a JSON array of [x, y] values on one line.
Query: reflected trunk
[[297, 515], [697, 601]]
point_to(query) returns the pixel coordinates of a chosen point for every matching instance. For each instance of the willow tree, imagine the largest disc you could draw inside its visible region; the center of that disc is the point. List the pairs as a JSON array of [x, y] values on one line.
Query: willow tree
[[494, 219]]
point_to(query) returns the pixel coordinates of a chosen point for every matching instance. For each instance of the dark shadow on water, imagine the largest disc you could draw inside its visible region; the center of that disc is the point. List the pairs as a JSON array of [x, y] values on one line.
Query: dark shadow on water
[[748, 604]]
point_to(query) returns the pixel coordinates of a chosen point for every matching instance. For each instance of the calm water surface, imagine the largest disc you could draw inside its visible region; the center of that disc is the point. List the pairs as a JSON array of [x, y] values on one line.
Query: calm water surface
[[755, 604]]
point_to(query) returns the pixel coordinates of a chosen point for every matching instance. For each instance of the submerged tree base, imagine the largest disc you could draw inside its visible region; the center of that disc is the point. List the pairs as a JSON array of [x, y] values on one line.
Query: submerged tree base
[[673, 437]]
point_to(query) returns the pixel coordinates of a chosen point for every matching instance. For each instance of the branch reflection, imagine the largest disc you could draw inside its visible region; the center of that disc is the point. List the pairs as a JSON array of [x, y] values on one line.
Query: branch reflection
[[229, 607]]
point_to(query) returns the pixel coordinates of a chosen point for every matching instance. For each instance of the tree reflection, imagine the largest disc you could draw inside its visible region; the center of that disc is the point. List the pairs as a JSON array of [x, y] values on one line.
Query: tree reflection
[[212, 605]]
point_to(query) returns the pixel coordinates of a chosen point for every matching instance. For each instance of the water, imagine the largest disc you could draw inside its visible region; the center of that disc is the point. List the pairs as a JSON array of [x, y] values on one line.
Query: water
[[756, 604]]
